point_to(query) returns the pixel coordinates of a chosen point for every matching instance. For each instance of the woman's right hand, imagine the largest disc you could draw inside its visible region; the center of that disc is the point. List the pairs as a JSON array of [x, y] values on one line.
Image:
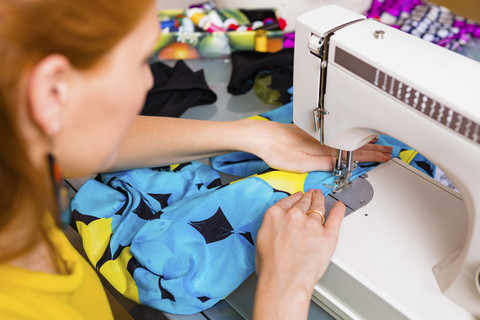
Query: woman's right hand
[[293, 252]]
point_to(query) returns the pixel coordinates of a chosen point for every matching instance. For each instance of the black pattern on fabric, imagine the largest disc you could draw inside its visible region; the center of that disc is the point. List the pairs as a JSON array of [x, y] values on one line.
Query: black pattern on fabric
[[77, 216], [165, 293], [215, 183], [132, 265], [203, 299], [161, 198], [143, 211], [157, 215], [215, 228], [106, 256], [248, 235]]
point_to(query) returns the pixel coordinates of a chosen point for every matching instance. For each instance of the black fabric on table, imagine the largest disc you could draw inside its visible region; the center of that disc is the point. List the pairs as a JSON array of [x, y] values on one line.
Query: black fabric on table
[[247, 64], [175, 90]]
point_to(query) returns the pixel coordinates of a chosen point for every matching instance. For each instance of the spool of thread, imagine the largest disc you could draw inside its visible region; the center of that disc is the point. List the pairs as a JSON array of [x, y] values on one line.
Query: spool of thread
[[197, 17], [215, 28], [187, 25], [232, 27], [230, 22], [268, 21], [167, 24], [257, 25], [170, 25], [215, 18], [261, 41], [204, 5], [207, 25], [195, 14]]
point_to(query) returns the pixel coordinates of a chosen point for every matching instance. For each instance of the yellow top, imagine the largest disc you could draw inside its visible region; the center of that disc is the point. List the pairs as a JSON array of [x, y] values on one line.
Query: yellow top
[[76, 293]]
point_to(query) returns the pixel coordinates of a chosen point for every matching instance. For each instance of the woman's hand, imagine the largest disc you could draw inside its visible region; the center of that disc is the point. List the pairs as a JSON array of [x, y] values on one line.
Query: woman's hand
[[287, 147], [293, 252], [158, 141]]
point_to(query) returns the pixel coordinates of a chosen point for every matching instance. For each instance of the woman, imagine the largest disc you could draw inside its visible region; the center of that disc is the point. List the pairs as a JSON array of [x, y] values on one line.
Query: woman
[[73, 77]]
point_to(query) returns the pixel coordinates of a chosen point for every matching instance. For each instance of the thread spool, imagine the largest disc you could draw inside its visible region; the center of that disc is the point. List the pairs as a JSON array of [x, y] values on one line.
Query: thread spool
[[215, 18], [207, 25], [230, 22], [257, 25], [187, 25], [170, 24], [195, 14], [261, 40]]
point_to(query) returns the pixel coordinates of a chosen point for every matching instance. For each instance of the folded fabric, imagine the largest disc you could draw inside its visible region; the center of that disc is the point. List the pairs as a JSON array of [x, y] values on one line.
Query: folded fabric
[[174, 240], [175, 90], [262, 83], [247, 64]]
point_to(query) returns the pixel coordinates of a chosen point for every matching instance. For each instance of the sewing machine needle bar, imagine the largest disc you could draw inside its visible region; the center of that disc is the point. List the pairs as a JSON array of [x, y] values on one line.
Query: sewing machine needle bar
[[339, 159]]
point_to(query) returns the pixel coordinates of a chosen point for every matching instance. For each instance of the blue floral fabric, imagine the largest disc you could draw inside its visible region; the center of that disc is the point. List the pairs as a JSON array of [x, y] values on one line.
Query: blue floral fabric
[[175, 238]]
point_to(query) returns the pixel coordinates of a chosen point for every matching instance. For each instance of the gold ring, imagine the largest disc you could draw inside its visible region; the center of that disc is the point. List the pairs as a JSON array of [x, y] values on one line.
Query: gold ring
[[317, 212]]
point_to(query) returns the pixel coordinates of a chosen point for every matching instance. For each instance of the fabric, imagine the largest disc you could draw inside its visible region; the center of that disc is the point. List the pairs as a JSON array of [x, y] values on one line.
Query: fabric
[[175, 238], [247, 64], [262, 83], [289, 40], [244, 164], [175, 90], [77, 293], [172, 241], [426, 20]]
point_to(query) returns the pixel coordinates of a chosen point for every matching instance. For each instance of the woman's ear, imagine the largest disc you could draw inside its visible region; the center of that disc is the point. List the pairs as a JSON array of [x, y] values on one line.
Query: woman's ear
[[47, 92]]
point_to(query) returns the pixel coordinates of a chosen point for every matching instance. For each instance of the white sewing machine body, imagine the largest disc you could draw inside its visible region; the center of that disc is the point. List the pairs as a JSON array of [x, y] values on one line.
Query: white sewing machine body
[[414, 251]]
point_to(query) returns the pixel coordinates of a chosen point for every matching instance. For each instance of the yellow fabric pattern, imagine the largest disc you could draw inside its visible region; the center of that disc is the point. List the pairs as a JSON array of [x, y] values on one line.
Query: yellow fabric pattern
[[258, 118], [115, 271], [290, 182], [95, 237], [408, 155], [76, 294], [174, 166]]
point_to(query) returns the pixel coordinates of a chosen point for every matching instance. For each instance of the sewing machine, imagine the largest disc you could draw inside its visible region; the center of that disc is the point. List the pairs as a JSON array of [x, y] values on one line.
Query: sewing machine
[[413, 252]]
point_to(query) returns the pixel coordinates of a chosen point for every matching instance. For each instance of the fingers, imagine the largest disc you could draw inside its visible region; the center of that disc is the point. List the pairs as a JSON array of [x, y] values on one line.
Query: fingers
[[377, 147], [314, 200], [318, 204], [373, 153], [335, 217], [288, 202], [304, 203]]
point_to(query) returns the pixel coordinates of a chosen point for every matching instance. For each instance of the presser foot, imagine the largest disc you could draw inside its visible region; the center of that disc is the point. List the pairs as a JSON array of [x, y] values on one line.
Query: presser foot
[[356, 195], [341, 184]]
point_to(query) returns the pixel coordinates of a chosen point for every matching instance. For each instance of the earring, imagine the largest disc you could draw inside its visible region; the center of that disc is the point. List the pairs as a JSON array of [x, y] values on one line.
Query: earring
[[60, 190]]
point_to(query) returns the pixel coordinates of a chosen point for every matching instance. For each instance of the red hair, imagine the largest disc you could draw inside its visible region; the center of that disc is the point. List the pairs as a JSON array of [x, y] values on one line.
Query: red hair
[[30, 30]]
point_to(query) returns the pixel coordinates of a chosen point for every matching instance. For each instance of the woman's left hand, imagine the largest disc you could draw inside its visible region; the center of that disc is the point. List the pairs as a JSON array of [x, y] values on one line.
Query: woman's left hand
[[287, 147]]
